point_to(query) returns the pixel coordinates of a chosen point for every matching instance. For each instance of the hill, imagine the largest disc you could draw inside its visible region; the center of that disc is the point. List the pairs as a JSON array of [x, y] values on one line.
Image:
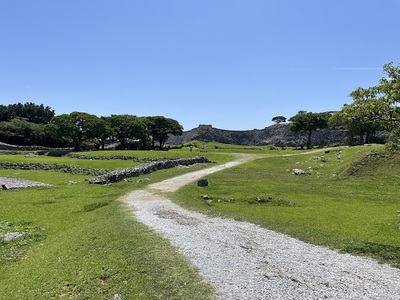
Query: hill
[[278, 134]]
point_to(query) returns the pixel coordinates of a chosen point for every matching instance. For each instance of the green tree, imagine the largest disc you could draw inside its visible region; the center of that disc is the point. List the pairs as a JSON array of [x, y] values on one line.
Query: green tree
[[77, 127], [279, 119], [103, 131], [4, 113], [358, 119], [19, 131], [375, 107], [308, 122], [161, 127], [31, 112], [128, 127]]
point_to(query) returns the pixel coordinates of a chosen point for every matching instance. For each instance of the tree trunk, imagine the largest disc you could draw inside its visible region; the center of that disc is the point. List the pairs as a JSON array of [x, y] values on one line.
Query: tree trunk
[[309, 139], [361, 140]]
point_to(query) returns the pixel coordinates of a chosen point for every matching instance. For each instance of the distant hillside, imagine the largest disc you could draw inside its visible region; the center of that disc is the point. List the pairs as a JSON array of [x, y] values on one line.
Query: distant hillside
[[279, 135]]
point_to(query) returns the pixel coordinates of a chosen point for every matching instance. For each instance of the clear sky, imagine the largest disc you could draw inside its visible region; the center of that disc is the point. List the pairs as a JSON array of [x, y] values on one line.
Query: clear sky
[[234, 64]]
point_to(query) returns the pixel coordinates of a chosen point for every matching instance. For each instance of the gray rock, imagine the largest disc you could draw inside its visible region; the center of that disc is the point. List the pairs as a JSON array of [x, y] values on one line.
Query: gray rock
[[202, 182], [298, 172], [11, 236]]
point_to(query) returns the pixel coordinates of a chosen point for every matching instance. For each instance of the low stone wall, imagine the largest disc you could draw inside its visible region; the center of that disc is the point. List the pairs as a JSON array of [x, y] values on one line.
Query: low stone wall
[[52, 167], [121, 157], [4, 146], [147, 168]]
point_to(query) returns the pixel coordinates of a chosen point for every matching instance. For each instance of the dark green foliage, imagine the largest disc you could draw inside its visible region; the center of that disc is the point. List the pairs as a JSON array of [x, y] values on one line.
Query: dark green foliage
[[308, 122], [160, 128], [21, 132], [128, 127], [373, 108], [77, 127], [33, 113], [279, 119]]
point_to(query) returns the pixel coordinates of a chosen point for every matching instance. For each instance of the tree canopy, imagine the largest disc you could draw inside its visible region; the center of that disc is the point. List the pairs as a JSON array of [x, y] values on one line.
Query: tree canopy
[[308, 122], [77, 127], [161, 127], [279, 119], [34, 113], [374, 108]]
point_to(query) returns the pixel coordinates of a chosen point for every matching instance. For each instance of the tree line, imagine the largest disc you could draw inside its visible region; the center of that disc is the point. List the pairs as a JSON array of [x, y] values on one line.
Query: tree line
[[373, 109], [32, 124]]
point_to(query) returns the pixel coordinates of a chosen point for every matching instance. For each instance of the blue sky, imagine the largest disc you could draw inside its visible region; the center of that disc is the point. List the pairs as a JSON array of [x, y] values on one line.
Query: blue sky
[[233, 64]]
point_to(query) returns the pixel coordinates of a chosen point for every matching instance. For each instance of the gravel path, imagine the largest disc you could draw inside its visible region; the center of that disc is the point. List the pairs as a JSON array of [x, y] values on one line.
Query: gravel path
[[244, 261]]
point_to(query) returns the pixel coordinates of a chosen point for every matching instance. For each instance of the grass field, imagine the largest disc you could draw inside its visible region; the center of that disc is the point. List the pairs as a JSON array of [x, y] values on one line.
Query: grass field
[[354, 213], [80, 242]]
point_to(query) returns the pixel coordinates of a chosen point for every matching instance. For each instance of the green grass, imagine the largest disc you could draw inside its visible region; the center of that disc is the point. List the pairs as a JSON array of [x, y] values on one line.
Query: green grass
[[94, 253], [330, 208], [81, 242], [84, 243]]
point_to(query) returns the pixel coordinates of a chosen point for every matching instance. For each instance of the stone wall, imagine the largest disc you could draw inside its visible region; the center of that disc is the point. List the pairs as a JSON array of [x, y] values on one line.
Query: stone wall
[[4, 146], [278, 134], [51, 167], [147, 168]]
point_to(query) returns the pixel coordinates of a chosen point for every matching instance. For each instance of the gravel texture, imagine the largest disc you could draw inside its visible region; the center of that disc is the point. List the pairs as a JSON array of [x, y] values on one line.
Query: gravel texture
[[244, 261], [17, 183]]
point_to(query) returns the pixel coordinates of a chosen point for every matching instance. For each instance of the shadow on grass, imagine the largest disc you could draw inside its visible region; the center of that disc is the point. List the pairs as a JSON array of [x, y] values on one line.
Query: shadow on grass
[[96, 205], [381, 252]]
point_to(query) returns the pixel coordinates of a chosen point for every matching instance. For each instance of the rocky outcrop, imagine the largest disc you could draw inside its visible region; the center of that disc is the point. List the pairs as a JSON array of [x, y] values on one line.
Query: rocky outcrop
[[278, 135]]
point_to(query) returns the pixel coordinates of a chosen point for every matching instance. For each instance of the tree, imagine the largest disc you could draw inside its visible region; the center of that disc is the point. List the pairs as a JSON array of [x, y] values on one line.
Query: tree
[[19, 131], [279, 119], [77, 127], [375, 107], [128, 127], [34, 113], [358, 119], [4, 113], [308, 122], [161, 127], [104, 131]]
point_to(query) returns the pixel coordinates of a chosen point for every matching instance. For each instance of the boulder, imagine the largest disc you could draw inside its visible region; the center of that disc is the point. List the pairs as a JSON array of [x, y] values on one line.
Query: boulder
[[202, 182], [298, 172]]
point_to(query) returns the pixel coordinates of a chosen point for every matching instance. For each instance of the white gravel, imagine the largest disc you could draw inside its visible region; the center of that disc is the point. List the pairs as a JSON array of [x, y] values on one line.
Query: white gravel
[[244, 261], [17, 183]]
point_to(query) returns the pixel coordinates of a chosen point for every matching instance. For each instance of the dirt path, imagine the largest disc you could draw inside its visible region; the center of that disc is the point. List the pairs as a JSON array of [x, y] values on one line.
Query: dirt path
[[174, 184], [244, 261]]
